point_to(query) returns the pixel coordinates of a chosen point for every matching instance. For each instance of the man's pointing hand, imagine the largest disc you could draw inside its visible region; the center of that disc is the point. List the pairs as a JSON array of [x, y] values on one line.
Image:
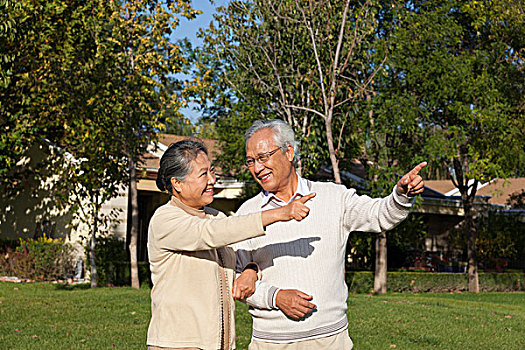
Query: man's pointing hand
[[412, 183]]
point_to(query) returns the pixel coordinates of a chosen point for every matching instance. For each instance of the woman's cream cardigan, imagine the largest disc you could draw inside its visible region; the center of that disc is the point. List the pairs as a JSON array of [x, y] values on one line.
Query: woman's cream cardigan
[[191, 302]]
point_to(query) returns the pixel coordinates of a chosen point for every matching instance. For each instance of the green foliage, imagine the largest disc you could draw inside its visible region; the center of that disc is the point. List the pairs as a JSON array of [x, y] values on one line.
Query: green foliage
[[418, 282], [461, 63], [304, 63], [108, 251], [113, 266], [94, 78], [499, 236], [42, 259]]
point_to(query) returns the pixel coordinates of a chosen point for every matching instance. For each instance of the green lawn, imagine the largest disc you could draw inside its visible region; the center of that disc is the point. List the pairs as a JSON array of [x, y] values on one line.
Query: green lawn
[[45, 316]]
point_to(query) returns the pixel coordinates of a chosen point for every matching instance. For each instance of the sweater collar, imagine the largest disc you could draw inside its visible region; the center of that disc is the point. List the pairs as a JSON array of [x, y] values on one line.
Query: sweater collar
[[192, 211]]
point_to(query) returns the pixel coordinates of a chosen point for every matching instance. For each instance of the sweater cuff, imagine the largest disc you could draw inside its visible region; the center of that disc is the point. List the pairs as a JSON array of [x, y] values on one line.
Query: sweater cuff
[[402, 199], [253, 266], [272, 295]]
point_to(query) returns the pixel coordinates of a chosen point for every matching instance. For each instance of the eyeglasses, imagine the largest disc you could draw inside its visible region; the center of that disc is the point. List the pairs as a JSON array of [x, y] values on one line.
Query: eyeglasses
[[261, 158]]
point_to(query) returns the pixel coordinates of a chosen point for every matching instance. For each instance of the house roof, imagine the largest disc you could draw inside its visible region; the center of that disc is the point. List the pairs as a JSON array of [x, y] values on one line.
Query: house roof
[[499, 190], [151, 159], [441, 186]]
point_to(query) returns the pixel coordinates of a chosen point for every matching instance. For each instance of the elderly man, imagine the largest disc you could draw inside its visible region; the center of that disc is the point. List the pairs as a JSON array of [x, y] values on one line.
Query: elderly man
[[300, 300]]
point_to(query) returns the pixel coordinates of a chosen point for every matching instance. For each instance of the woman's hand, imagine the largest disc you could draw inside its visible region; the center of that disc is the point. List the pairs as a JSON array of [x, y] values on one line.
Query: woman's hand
[[297, 209], [244, 285]]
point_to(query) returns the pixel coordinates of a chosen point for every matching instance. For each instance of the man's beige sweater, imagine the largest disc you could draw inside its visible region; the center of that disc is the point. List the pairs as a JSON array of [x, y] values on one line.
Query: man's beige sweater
[[310, 256], [191, 302]]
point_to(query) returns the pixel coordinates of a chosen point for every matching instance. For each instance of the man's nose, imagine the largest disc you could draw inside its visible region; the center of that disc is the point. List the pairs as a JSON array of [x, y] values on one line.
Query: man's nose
[[258, 166], [212, 178]]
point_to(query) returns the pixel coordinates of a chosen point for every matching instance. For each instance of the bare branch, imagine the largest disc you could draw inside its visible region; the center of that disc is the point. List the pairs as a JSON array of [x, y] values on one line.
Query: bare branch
[[317, 60], [337, 52], [307, 109], [341, 134]]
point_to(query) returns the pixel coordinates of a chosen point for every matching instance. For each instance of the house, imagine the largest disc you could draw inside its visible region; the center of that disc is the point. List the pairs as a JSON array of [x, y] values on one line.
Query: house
[[34, 212], [443, 208]]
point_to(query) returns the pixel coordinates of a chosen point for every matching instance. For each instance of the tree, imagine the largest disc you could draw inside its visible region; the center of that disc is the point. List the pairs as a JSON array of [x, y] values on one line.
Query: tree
[[388, 126], [94, 79], [47, 100], [462, 62], [300, 61], [146, 60]]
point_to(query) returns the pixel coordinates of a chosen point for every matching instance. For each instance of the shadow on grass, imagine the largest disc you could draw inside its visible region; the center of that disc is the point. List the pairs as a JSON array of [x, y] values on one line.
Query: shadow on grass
[[67, 286]]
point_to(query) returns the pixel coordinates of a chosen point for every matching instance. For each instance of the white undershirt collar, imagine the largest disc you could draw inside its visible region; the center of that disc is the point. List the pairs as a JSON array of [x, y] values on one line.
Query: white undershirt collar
[[302, 190]]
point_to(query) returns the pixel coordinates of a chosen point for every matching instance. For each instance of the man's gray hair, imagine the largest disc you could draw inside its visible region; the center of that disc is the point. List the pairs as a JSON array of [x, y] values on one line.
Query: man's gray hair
[[283, 135]]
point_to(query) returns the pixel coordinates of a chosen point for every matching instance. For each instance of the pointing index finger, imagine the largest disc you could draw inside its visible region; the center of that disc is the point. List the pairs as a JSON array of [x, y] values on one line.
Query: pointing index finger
[[306, 198], [418, 168]]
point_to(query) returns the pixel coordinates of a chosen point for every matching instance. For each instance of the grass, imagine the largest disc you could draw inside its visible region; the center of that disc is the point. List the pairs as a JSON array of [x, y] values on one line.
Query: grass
[[42, 316]]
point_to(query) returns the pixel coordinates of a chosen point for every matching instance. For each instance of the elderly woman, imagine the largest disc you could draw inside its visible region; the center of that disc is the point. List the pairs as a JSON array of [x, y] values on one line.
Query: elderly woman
[[191, 268]]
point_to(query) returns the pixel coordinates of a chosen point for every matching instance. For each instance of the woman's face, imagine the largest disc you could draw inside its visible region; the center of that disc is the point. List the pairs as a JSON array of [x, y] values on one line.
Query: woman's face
[[197, 189]]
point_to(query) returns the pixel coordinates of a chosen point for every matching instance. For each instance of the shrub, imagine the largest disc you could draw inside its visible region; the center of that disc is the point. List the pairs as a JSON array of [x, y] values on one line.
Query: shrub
[[42, 259], [113, 266], [110, 251], [416, 282]]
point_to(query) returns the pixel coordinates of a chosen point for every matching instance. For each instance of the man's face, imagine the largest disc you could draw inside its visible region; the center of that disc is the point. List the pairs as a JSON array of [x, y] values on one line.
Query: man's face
[[278, 169]]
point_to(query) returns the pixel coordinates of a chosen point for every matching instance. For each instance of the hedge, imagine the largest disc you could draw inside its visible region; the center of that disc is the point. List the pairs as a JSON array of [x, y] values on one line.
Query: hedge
[[118, 273], [416, 282], [363, 281]]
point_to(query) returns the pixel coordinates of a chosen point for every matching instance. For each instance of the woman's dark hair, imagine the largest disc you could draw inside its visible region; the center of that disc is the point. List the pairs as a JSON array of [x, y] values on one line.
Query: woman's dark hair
[[176, 162]]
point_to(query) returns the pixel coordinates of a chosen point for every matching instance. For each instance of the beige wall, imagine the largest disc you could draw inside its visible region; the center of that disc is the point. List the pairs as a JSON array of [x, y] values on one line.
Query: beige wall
[[24, 211], [32, 209]]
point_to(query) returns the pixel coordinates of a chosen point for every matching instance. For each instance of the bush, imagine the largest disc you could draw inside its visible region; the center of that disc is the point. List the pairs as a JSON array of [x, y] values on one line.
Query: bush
[[416, 282], [109, 250], [42, 259], [113, 266]]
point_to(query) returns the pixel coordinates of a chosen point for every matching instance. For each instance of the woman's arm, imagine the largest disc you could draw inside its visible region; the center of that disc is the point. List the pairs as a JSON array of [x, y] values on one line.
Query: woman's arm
[[173, 229]]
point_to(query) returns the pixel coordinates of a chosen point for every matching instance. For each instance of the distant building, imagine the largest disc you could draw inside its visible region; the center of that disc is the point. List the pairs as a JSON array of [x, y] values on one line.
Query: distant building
[[33, 211]]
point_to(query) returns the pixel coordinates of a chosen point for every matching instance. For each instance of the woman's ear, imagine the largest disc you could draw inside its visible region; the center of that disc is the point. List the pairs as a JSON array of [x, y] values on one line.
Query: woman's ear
[[176, 184]]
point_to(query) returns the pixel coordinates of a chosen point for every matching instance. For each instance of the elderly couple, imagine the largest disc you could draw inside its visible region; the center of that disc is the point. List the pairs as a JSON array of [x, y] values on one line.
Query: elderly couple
[[288, 255]]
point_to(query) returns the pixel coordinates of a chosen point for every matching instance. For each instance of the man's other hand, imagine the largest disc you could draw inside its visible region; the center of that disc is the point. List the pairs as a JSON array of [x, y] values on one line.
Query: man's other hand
[[294, 303]]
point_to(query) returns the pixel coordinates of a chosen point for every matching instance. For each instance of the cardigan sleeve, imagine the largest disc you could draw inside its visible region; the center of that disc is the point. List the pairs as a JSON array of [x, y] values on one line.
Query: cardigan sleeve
[[264, 295], [173, 229], [362, 213]]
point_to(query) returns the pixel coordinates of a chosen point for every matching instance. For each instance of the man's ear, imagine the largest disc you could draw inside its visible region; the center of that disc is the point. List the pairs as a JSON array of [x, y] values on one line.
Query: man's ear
[[290, 153], [176, 184]]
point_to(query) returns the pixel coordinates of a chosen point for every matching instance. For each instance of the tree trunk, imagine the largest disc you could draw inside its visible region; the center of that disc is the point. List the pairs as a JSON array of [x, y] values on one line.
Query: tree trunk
[[461, 181], [381, 264], [92, 245], [134, 231], [331, 150], [471, 233]]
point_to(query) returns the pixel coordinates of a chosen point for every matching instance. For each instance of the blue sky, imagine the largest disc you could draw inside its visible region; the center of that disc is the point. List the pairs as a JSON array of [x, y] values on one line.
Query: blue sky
[[189, 30]]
